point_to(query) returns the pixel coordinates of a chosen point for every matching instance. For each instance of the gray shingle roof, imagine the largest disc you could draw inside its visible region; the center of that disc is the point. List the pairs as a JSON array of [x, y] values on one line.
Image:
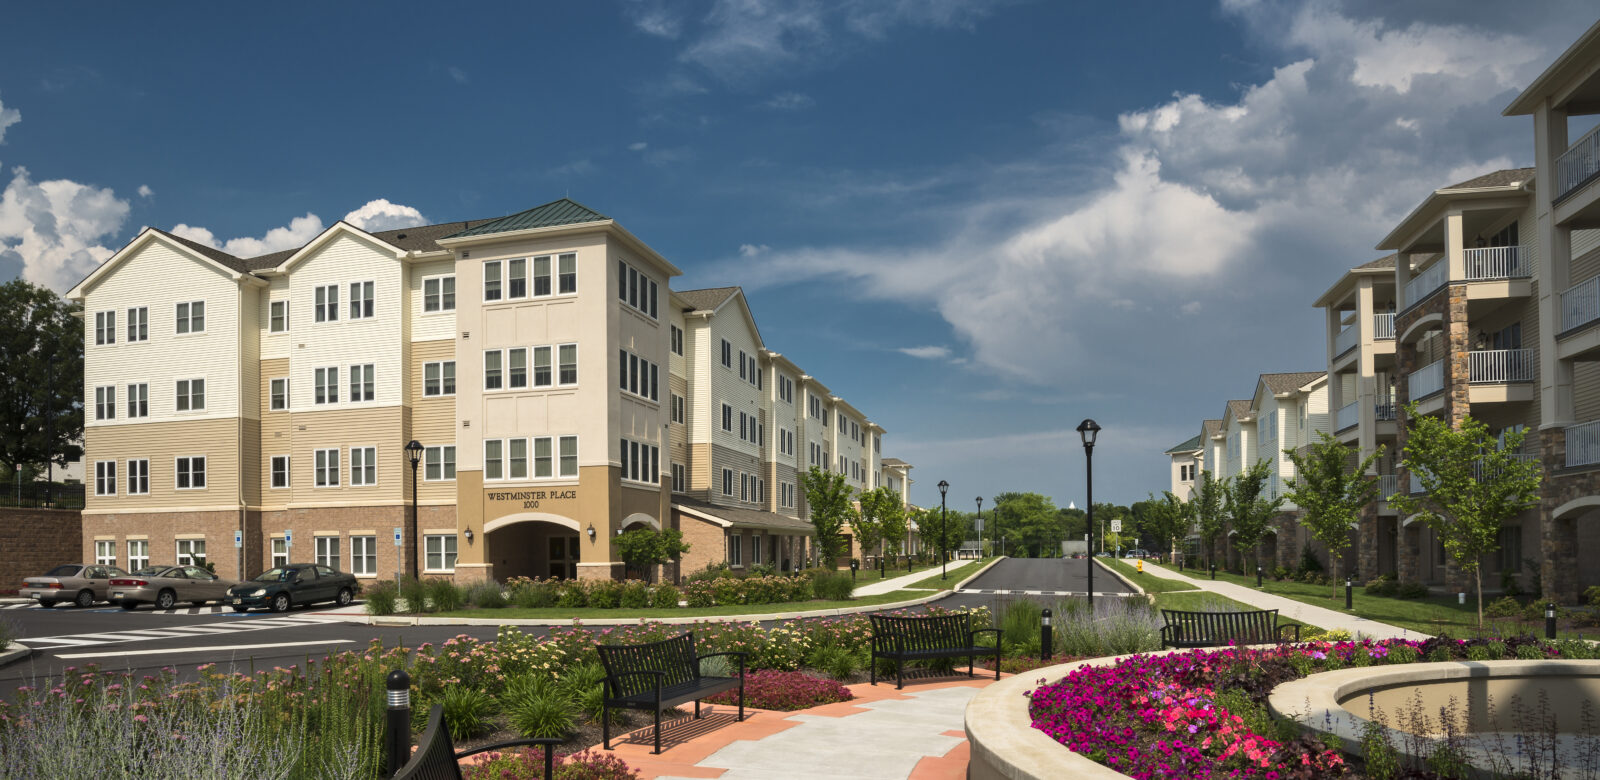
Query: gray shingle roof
[[557, 212], [1288, 383], [708, 298], [1189, 446], [1240, 409], [744, 518], [1502, 178], [209, 251], [1211, 427], [893, 462], [1387, 261]]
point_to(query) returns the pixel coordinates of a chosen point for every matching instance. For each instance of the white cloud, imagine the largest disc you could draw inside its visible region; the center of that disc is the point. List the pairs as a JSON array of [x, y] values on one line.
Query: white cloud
[[655, 18], [751, 250], [930, 352], [456, 73], [55, 229], [579, 167], [789, 101], [638, 146], [145, 191], [1192, 307], [8, 117], [380, 215], [297, 233]]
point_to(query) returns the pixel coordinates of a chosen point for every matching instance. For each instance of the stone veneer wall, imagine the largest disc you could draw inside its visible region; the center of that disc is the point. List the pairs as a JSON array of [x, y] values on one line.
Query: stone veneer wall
[[1451, 304], [1558, 538], [35, 540]]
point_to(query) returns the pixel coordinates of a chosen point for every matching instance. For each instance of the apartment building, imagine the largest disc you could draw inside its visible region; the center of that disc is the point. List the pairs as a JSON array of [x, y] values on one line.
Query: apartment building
[[1186, 464], [538, 362]]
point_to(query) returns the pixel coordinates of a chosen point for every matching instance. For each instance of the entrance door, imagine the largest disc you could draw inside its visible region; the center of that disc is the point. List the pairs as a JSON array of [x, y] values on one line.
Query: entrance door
[[564, 557]]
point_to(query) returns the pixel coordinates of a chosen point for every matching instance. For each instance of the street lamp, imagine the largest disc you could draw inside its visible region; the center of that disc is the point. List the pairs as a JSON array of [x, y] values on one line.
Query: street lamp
[[1089, 429], [944, 531], [414, 455], [980, 526]]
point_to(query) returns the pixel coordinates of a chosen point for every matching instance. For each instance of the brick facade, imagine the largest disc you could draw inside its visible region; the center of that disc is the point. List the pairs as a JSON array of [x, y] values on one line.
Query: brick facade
[[35, 540]]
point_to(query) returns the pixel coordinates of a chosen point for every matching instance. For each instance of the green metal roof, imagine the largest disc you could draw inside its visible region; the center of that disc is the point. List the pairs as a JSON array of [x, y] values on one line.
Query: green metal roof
[[557, 212], [1188, 446]]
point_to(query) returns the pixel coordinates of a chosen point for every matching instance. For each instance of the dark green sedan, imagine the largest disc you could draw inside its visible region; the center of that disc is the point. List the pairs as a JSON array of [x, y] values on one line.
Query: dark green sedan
[[280, 588]]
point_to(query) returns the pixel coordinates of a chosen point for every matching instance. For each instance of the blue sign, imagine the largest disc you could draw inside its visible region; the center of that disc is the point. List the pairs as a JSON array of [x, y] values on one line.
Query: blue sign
[[288, 537], [397, 536], [238, 538]]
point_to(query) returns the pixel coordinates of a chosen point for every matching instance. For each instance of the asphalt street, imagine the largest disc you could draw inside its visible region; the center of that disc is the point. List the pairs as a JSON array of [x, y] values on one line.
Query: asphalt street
[[1042, 579]]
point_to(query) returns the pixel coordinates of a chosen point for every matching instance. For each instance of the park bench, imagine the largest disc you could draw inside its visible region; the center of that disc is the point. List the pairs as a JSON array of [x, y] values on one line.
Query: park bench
[[660, 675], [436, 757], [1211, 629], [905, 639]]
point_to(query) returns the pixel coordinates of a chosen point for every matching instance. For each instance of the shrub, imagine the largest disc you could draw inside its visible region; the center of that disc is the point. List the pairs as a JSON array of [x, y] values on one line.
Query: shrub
[[1503, 607], [1309, 561], [532, 594], [832, 585], [572, 594], [727, 591], [529, 765], [769, 689], [414, 593], [444, 595], [697, 593], [1019, 627], [664, 597], [762, 570], [712, 571], [380, 598], [487, 595], [604, 594], [838, 662], [1412, 590], [8, 633], [466, 711], [536, 707], [635, 595], [1383, 585], [1591, 596]]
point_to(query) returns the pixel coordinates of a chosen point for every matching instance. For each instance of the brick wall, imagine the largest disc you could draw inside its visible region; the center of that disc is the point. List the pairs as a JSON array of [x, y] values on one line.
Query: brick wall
[[34, 540]]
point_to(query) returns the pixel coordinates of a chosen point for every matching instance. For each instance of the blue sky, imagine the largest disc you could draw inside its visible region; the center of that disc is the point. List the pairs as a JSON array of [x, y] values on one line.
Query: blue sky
[[978, 221]]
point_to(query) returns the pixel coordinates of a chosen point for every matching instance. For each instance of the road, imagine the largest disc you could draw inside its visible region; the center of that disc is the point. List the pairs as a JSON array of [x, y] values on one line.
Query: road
[[1044, 579]]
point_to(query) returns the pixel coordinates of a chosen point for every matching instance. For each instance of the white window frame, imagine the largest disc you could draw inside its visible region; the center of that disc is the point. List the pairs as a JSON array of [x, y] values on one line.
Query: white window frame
[[727, 418], [273, 471], [363, 469], [365, 307], [517, 463], [563, 262], [278, 313], [105, 402], [440, 296], [278, 394], [499, 460], [680, 479], [105, 552], [331, 558], [363, 378], [137, 482], [678, 409], [444, 548], [676, 344], [105, 328], [512, 277], [735, 551], [191, 552], [325, 385], [280, 552], [184, 318], [440, 460], [727, 354], [548, 277], [138, 324], [727, 482], [105, 478], [511, 377], [499, 370], [561, 365], [544, 466], [183, 467], [546, 354], [184, 395], [325, 305], [364, 556], [498, 292], [440, 385], [325, 465], [138, 400], [562, 458], [138, 554]]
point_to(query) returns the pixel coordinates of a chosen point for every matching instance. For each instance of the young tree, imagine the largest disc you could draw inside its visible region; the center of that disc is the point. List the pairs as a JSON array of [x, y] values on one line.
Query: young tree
[[1167, 519], [828, 498], [1472, 482], [1331, 488], [642, 548], [1209, 496], [880, 520], [41, 377], [1031, 518], [1247, 511]]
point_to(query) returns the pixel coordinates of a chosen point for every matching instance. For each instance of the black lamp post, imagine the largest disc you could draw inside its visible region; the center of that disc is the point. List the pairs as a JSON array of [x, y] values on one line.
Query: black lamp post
[[1089, 429], [944, 531], [980, 526], [414, 455]]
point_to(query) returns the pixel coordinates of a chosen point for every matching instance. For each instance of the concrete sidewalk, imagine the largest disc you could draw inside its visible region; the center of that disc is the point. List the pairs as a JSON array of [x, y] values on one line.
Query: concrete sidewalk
[[964, 569], [1289, 608]]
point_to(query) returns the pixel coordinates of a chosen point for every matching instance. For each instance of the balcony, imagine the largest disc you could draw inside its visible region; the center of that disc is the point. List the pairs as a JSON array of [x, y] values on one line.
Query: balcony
[[1347, 417], [1500, 366], [1384, 410], [1346, 340], [1578, 164], [1383, 327], [1583, 444], [1388, 485], [1427, 380], [1496, 262], [1580, 304], [1423, 284]]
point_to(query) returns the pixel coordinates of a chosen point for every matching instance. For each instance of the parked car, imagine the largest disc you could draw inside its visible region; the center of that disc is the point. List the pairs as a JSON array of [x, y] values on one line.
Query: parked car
[[165, 586], [297, 583], [1138, 554], [81, 584]]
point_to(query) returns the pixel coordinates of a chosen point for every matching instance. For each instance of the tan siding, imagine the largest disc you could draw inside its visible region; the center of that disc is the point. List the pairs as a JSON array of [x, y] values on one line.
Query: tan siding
[[251, 469], [1586, 391], [379, 427], [275, 433], [162, 444], [432, 419]]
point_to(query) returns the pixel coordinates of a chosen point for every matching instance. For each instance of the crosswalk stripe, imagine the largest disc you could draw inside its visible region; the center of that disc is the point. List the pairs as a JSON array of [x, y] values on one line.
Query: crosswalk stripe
[[320, 642], [83, 640]]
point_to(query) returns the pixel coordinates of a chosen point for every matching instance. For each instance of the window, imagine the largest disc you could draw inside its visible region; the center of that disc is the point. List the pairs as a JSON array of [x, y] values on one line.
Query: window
[[641, 462], [517, 360], [785, 389], [491, 281], [639, 376], [278, 317], [569, 456], [326, 468], [279, 394], [105, 403], [1511, 549], [755, 549], [844, 424], [517, 458], [138, 477], [105, 327], [727, 482], [743, 420], [191, 395], [439, 378], [543, 458], [191, 552], [727, 418], [677, 340], [361, 382], [727, 354], [677, 409], [138, 324], [105, 477], [363, 466], [492, 378], [517, 278], [735, 550], [138, 554], [441, 552], [541, 276], [493, 459], [744, 486], [542, 375], [105, 553], [138, 400], [280, 471], [439, 464], [742, 365], [567, 274], [327, 385], [680, 479], [361, 304], [328, 551], [327, 303], [622, 281], [438, 294], [877, 444], [568, 354], [280, 552], [363, 555], [755, 373], [191, 317]]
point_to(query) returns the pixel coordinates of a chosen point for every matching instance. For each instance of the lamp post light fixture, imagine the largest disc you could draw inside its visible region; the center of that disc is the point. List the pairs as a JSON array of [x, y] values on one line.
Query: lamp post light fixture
[[1089, 429], [414, 456], [980, 526], [944, 531]]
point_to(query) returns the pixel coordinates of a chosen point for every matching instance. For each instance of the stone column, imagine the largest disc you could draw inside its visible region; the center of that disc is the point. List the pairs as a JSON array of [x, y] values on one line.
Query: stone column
[[1457, 367], [1410, 552], [1558, 538], [1367, 547]]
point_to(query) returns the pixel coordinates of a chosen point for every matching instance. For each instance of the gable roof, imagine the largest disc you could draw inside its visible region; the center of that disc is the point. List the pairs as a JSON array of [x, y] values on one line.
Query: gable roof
[[1210, 427], [1239, 409], [707, 299], [213, 253], [557, 212], [1508, 177], [1189, 446], [1387, 261], [1288, 383], [896, 462]]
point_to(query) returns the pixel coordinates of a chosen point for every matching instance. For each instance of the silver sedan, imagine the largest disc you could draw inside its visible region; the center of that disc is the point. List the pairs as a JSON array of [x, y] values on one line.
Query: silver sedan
[[165, 586], [75, 582]]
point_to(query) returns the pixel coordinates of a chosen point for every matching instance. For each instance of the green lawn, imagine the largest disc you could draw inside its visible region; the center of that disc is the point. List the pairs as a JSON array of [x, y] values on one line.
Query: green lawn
[[1202, 601], [958, 572], [560, 613], [1147, 580]]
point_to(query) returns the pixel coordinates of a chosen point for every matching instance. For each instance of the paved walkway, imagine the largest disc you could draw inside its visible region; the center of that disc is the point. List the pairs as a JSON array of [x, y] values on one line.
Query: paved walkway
[[958, 572], [1290, 608]]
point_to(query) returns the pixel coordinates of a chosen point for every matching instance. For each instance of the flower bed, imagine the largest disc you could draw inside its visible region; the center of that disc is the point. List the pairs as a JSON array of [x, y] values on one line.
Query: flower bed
[[1201, 714], [769, 689]]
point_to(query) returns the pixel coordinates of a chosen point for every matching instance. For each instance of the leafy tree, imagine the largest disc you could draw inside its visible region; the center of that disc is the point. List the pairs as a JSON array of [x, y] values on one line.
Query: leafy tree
[[41, 377], [1031, 518], [880, 511], [895, 518], [1167, 519], [1247, 511], [828, 498], [1209, 496], [1074, 523], [1471, 484], [643, 548], [1331, 493]]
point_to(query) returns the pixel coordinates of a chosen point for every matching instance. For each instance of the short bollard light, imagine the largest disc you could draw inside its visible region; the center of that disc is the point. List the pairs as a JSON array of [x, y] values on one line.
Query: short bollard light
[[1258, 576], [855, 564], [1046, 636], [398, 744], [1213, 570], [1349, 592], [1549, 620]]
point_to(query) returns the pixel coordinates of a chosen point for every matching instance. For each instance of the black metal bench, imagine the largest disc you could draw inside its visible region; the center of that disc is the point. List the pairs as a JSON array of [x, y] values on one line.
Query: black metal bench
[[1212, 629], [437, 759], [905, 639], [658, 676]]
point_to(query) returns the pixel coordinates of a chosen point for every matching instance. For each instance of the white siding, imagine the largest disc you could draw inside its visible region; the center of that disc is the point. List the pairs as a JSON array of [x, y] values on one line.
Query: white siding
[[342, 260], [431, 326]]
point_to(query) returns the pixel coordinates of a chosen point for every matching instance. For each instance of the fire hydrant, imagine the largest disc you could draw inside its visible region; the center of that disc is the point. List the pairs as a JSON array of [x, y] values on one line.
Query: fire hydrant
[[1139, 564]]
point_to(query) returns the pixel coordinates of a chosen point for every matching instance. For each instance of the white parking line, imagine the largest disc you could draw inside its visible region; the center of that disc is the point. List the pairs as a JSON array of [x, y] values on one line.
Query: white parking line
[[204, 649]]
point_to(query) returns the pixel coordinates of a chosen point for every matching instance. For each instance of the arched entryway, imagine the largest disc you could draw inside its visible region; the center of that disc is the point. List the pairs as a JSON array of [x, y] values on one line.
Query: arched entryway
[[532, 544]]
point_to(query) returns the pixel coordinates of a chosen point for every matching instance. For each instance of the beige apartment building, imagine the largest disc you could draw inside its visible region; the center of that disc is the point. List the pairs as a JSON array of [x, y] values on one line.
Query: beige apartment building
[[253, 411]]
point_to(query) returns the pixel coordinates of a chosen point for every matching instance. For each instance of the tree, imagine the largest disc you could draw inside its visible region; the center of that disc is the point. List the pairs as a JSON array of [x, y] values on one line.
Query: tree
[[1167, 519], [41, 377], [1247, 511], [1209, 496], [828, 499], [1330, 493], [880, 519], [1472, 482], [1032, 519], [642, 548]]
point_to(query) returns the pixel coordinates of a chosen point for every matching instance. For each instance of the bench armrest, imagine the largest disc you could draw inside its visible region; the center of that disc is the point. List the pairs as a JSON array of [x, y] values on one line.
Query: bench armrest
[[1295, 626], [549, 743], [740, 653], [972, 636], [611, 680]]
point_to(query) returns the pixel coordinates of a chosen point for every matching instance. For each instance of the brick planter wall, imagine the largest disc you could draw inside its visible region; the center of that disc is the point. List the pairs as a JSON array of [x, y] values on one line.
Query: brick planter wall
[[35, 540]]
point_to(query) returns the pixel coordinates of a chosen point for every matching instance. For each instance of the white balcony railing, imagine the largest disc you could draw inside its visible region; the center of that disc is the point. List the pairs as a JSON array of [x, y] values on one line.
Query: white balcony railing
[[1383, 327], [1427, 380], [1498, 366], [1426, 282], [1347, 416], [1580, 304], [1579, 163], [1583, 444], [1388, 485], [1346, 340], [1478, 471], [1495, 262]]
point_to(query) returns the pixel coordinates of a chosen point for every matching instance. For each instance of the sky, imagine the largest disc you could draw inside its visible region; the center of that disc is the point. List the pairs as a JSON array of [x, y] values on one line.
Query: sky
[[978, 221]]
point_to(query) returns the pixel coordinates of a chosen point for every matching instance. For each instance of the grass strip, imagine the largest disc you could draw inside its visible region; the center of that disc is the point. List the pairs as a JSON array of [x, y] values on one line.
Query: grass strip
[[958, 572], [1147, 580], [587, 613]]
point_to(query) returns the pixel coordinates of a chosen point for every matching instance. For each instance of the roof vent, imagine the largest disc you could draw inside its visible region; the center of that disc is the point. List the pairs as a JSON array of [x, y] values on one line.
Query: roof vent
[[399, 236]]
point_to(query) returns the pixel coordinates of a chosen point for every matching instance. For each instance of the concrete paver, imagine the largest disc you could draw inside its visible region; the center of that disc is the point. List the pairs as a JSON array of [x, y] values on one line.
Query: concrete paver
[[1290, 608]]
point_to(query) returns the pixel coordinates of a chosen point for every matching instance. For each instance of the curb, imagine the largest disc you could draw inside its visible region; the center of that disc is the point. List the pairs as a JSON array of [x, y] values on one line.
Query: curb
[[978, 573], [405, 620], [1125, 581], [17, 652]]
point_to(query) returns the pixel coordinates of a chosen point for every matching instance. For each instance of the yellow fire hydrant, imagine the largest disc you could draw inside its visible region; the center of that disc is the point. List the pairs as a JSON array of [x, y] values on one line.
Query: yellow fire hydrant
[[1140, 565]]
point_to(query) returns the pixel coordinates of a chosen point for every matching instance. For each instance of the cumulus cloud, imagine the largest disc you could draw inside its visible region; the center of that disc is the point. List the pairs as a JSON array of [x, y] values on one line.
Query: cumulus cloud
[[8, 117], [376, 215], [638, 146], [459, 75], [380, 215], [751, 250], [55, 230], [931, 352], [145, 191]]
